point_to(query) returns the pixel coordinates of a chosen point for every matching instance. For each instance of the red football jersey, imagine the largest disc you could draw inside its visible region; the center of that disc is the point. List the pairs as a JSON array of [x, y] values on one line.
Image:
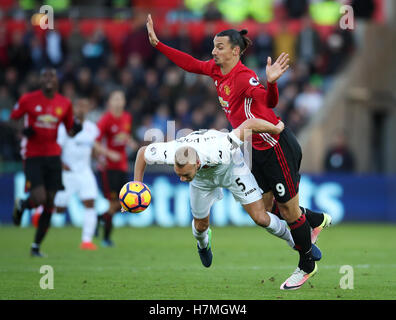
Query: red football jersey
[[240, 93], [44, 115], [116, 132]]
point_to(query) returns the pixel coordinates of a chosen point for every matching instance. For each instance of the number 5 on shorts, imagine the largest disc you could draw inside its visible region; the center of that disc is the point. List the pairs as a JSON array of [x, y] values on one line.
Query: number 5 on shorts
[[280, 188]]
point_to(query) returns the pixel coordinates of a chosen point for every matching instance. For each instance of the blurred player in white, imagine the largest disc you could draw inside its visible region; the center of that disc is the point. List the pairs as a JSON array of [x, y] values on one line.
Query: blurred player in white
[[78, 177], [211, 160]]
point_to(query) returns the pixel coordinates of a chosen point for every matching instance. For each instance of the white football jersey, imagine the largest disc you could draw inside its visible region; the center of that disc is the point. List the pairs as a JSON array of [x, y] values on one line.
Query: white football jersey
[[77, 150], [213, 148]]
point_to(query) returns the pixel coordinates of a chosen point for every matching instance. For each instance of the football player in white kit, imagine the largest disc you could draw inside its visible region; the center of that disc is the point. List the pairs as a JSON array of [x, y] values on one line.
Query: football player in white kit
[[77, 174], [211, 160]]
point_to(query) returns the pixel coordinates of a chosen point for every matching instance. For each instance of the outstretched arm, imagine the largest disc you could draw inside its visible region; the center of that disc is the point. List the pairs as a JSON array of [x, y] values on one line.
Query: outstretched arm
[[181, 59], [140, 165], [250, 126]]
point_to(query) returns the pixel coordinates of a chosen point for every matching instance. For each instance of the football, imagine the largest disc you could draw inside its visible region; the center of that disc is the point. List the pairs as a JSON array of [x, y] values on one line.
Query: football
[[135, 197]]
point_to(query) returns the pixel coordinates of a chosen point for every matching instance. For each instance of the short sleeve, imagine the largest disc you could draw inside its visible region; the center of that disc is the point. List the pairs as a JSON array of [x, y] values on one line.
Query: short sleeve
[[19, 108], [248, 82], [160, 153]]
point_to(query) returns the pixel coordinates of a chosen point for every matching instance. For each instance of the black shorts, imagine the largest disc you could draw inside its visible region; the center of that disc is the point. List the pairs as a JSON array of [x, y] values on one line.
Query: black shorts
[[112, 182], [277, 169], [45, 171]]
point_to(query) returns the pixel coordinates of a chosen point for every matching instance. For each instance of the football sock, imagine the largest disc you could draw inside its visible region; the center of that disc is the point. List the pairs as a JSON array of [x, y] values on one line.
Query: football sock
[[279, 229], [89, 224], [108, 225], [43, 225], [315, 219], [202, 237], [301, 233]]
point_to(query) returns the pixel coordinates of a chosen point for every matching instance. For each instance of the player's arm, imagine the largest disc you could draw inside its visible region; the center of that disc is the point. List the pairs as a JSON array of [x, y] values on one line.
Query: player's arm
[[140, 165], [250, 126], [183, 60], [72, 124], [18, 111], [100, 149]]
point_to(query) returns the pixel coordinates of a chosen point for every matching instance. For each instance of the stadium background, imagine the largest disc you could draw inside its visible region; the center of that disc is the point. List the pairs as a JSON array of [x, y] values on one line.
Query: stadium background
[[98, 46]]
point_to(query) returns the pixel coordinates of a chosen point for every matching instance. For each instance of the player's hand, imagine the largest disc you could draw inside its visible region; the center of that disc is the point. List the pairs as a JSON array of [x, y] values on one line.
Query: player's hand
[[28, 132], [274, 71], [150, 29], [113, 156], [65, 167], [280, 126]]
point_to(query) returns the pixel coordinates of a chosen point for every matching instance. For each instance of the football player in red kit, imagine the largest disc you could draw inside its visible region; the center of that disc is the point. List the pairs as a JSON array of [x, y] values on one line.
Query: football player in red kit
[[43, 111], [275, 158], [115, 127]]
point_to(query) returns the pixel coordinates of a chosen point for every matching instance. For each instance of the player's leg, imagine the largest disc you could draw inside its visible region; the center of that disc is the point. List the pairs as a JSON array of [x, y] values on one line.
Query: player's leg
[[88, 192], [269, 221], [34, 185], [201, 200], [115, 180], [43, 224], [282, 174], [52, 169], [89, 225]]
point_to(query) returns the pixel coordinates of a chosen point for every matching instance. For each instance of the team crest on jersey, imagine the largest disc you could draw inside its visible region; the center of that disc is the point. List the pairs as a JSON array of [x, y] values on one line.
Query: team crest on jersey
[[58, 111], [253, 81], [227, 90]]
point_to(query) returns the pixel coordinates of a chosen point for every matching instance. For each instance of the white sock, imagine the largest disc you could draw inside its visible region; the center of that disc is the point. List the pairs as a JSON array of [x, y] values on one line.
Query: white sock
[[279, 229], [89, 224], [202, 237]]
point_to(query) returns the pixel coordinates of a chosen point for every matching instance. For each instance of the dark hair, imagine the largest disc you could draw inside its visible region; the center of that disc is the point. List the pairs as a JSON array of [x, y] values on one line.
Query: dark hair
[[237, 38]]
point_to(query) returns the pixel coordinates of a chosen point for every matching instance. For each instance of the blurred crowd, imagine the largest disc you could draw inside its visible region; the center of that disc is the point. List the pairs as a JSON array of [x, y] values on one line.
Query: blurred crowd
[[157, 90]]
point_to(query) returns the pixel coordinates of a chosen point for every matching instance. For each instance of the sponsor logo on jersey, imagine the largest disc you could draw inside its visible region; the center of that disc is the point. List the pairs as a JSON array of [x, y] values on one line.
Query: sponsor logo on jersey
[[249, 192], [253, 81], [224, 105]]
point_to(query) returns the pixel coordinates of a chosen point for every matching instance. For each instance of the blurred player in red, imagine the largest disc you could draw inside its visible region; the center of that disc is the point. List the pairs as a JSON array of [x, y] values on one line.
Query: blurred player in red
[[43, 111], [115, 128], [275, 158]]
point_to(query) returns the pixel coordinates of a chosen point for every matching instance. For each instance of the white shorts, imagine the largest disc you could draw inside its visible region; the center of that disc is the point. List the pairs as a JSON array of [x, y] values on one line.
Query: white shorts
[[237, 178], [82, 183]]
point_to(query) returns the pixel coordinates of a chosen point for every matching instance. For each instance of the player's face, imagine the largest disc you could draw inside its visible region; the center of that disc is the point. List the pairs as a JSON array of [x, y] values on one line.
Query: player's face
[[186, 173], [222, 51], [117, 103], [49, 80], [81, 108]]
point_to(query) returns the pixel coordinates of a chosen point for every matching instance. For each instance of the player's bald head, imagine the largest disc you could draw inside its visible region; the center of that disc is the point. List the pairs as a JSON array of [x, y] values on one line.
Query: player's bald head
[[186, 163], [185, 155]]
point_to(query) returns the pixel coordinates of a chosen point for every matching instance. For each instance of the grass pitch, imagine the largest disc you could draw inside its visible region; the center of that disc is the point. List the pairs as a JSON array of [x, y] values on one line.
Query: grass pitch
[[163, 263]]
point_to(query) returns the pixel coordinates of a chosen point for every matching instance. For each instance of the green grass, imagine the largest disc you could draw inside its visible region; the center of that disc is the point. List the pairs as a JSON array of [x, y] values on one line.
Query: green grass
[[162, 263]]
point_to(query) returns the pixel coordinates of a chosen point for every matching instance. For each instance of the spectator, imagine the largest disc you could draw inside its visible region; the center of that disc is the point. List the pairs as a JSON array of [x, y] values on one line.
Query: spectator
[[54, 48], [296, 9], [308, 44], [285, 41], [17, 53], [75, 43], [95, 51], [339, 158], [309, 101]]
